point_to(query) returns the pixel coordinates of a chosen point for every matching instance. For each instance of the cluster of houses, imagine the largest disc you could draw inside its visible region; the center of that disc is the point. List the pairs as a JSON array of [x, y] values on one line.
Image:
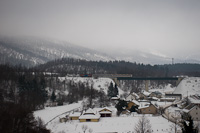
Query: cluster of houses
[[142, 103]]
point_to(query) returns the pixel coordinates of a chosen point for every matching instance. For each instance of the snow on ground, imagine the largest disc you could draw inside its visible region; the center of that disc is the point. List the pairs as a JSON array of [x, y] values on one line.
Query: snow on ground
[[166, 89], [188, 86], [50, 112], [100, 83], [114, 124], [120, 124]]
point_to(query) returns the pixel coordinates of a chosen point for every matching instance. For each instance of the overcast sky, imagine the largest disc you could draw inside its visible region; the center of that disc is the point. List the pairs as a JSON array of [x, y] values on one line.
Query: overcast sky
[[170, 27]]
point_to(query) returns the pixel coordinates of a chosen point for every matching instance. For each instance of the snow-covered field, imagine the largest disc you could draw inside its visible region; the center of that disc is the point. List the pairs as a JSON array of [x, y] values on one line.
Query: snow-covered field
[[122, 124], [188, 86], [114, 124]]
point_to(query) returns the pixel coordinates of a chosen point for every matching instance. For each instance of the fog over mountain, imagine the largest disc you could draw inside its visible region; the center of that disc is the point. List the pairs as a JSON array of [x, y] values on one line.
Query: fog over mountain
[[30, 51], [143, 31]]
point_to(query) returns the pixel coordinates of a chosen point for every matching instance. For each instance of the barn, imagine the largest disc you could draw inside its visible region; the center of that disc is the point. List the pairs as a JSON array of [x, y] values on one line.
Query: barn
[[105, 112]]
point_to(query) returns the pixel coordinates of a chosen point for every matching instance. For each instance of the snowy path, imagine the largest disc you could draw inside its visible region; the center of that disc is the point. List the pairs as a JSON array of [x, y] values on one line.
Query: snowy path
[[50, 113]]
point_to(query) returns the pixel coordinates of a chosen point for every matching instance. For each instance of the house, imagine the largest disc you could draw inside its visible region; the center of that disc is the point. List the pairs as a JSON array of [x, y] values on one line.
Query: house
[[194, 99], [74, 115], [192, 110], [156, 94], [176, 96], [89, 115], [147, 108], [132, 103], [105, 112], [132, 96], [144, 94]]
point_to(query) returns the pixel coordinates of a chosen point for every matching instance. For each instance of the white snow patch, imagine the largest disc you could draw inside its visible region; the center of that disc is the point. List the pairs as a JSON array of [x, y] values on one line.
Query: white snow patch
[[188, 86]]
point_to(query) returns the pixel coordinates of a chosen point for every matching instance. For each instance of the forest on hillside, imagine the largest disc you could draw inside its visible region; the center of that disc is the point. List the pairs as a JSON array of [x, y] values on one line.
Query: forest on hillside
[[77, 66]]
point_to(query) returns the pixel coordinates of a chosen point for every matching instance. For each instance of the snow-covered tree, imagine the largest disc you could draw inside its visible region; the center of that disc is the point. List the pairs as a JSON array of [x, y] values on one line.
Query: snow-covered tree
[[143, 126]]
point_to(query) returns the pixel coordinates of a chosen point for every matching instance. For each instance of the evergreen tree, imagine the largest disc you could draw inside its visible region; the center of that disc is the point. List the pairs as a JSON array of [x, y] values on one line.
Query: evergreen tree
[[116, 92], [53, 96], [111, 90], [121, 105], [188, 128]]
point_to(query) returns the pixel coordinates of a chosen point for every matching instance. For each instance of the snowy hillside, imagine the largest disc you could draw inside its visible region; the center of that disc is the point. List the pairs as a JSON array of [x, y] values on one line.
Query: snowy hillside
[[163, 89], [188, 86], [32, 51], [98, 84]]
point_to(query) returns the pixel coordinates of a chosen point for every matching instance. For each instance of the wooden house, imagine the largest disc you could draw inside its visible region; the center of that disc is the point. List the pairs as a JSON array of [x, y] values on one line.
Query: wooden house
[[89, 116], [132, 103], [105, 112], [144, 95], [147, 108], [192, 110], [74, 115]]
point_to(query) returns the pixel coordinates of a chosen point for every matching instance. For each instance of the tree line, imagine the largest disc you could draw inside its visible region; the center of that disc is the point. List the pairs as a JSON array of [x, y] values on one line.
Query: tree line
[[78, 66]]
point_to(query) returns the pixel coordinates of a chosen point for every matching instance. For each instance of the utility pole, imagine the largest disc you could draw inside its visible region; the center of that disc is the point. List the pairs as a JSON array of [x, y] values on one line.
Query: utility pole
[[172, 61]]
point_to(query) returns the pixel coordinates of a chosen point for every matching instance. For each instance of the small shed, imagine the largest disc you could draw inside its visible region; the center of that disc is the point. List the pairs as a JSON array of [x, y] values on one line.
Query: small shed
[[64, 119], [105, 112]]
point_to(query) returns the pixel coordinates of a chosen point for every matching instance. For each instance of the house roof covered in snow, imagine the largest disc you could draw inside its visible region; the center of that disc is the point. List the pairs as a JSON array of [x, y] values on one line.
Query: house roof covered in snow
[[188, 108], [75, 114], [89, 111], [136, 102], [194, 99], [105, 108], [88, 116]]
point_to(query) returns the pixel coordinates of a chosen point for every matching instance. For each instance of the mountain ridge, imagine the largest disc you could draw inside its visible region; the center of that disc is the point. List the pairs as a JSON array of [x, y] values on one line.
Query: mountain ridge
[[31, 51]]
